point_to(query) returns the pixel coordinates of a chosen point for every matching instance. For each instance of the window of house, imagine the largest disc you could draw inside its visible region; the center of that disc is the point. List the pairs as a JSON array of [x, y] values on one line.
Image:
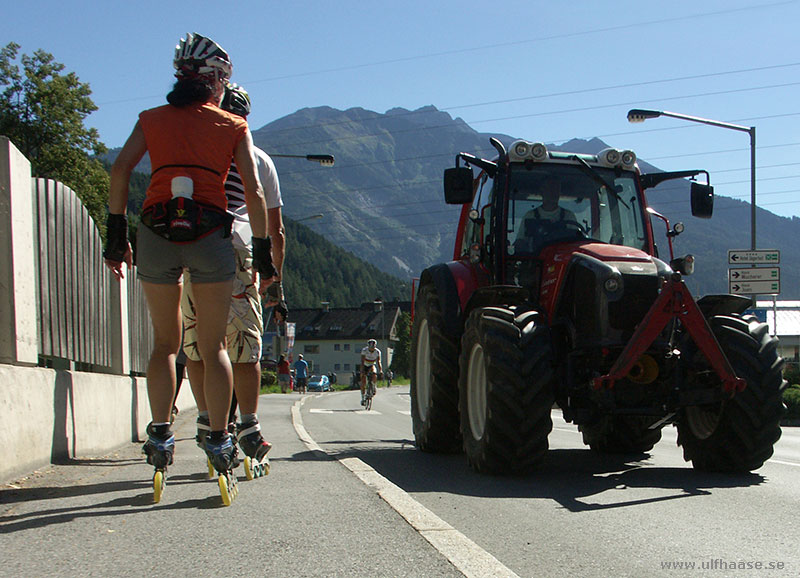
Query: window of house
[[347, 367], [337, 366], [347, 347], [336, 347], [311, 349]]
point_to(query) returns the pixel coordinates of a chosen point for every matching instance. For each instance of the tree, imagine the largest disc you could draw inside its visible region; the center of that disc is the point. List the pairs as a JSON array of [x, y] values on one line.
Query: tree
[[401, 360], [42, 111]]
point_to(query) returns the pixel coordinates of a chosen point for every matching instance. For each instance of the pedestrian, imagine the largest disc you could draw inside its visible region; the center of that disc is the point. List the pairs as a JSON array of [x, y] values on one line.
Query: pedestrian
[[245, 318], [301, 374], [284, 374], [389, 375], [184, 226]]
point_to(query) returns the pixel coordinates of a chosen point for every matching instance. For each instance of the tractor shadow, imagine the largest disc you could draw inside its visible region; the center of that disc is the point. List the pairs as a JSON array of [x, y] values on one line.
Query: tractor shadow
[[577, 479]]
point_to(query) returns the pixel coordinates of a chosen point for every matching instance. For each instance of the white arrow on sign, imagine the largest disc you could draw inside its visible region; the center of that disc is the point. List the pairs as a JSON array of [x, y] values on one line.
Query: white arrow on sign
[[754, 287], [755, 274], [755, 257]]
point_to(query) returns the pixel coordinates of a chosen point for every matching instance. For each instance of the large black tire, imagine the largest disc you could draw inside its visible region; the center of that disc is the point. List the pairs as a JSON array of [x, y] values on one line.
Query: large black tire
[[505, 390], [434, 378], [621, 434], [737, 435]]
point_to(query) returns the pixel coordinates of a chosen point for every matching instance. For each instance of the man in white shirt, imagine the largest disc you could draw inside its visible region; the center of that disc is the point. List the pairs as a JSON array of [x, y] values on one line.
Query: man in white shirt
[[370, 360]]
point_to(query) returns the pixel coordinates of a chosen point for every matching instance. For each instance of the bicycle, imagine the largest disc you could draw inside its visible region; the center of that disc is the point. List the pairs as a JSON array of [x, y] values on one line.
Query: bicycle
[[368, 395]]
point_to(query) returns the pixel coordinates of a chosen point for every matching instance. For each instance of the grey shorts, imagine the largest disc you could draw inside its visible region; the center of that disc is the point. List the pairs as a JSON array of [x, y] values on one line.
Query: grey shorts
[[210, 259]]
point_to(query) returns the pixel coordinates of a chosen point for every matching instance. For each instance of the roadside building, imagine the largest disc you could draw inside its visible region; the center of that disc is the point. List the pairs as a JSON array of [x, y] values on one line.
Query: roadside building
[[331, 339]]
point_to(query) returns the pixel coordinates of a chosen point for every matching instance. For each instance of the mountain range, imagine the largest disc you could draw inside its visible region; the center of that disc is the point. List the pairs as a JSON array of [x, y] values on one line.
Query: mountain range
[[383, 200]]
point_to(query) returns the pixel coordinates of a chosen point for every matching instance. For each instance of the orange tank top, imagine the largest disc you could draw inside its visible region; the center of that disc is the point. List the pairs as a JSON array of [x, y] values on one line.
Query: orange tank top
[[196, 141]]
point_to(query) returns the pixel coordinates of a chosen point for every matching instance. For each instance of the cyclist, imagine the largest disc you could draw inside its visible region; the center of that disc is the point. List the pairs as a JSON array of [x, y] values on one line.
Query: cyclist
[[370, 361], [191, 142]]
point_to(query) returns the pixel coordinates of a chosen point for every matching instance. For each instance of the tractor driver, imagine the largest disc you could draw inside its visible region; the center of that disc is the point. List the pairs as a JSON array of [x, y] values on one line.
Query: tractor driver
[[537, 224], [549, 210]]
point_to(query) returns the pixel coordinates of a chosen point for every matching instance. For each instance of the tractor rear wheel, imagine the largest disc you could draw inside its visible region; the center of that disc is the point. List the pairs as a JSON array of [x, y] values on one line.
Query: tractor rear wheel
[[505, 390], [621, 435], [434, 378], [738, 434]]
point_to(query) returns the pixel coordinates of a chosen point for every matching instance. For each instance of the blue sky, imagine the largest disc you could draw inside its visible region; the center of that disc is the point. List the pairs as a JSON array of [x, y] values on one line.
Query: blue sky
[[545, 71]]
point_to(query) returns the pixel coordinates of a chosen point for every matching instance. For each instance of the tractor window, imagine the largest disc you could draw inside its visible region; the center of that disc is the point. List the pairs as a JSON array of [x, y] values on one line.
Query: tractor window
[[476, 232], [556, 203]]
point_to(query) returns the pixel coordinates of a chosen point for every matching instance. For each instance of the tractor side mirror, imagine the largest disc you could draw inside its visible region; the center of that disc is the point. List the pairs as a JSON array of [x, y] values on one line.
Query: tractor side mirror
[[458, 186], [702, 200]]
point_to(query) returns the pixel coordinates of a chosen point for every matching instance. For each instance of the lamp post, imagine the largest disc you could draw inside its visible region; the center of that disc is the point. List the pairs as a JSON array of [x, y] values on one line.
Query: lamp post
[[324, 160], [640, 115]]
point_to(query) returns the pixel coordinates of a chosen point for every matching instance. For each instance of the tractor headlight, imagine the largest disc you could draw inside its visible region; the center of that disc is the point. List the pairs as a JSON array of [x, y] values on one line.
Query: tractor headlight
[[612, 156], [628, 158], [613, 284], [538, 151], [521, 149]]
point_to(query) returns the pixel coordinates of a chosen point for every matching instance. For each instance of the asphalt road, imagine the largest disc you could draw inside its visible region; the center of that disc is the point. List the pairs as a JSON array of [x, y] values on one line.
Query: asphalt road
[[349, 495], [583, 514]]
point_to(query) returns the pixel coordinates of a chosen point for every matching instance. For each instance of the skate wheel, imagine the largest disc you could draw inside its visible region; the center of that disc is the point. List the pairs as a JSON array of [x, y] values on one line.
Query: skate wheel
[[250, 471], [211, 471], [158, 486], [225, 491]]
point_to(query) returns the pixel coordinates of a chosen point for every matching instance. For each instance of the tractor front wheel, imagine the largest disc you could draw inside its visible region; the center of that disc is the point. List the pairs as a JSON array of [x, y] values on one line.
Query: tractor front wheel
[[738, 434]]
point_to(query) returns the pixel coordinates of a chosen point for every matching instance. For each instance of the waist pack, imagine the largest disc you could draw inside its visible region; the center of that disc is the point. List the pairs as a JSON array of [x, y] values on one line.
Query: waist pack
[[182, 220]]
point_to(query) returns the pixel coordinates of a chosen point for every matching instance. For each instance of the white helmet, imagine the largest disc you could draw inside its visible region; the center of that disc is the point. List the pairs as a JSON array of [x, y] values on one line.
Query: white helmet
[[197, 55], [371, 343]]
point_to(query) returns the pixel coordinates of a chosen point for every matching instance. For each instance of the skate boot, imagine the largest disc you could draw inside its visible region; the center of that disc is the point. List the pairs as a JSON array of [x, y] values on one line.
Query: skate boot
[[255, 449], [159, 448], [222, 454], [203, 428]]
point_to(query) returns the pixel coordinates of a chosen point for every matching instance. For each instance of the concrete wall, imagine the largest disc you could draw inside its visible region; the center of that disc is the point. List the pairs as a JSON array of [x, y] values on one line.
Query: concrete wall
[[52, 416]]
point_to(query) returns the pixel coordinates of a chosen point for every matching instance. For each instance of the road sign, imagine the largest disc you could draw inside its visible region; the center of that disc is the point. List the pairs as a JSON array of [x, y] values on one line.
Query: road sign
[[754, 287], [754, 274], [755, 257]]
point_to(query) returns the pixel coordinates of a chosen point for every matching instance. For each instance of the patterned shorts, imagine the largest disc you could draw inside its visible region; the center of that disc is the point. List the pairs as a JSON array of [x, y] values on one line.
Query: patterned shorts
[[245, 324]]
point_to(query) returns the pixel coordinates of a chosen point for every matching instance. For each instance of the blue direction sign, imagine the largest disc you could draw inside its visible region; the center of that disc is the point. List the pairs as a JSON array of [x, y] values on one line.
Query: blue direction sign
[[754, 257]]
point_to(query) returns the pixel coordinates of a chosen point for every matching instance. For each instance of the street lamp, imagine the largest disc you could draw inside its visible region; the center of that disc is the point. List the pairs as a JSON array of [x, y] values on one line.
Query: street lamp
[[324, 160], [317, 216], [640, 115]]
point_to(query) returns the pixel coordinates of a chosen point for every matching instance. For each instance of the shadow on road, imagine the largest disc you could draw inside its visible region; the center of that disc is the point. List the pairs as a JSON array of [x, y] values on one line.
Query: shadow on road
[[578, 479]]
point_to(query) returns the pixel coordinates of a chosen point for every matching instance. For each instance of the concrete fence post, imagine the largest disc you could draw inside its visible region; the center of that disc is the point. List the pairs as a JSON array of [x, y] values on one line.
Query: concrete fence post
[[19, 334]]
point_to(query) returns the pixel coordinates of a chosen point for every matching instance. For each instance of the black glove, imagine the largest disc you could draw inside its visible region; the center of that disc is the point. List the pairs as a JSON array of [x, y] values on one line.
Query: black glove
[[262, 257], [116, 238], [275, 294]]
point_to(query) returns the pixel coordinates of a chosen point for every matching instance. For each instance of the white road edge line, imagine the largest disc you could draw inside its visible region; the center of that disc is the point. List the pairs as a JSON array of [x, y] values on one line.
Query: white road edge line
[[469, 558]]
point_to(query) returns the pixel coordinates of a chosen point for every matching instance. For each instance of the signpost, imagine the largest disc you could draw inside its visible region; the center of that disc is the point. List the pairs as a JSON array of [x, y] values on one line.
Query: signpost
[[754, 257], [754, 287], [754, 280]]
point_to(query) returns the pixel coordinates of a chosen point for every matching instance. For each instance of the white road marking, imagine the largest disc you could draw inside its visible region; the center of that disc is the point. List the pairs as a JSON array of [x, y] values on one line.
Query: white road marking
[[469, 558], [783, 463], [404, 411]]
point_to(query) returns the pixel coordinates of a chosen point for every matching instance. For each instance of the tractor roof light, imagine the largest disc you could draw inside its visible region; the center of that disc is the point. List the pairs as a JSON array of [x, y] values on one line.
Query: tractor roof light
[[628, 159], [520, 149], [523, 150]]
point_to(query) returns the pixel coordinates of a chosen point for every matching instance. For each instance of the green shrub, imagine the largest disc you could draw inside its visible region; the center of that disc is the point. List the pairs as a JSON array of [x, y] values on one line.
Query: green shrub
[[792, 373], [791, 397]]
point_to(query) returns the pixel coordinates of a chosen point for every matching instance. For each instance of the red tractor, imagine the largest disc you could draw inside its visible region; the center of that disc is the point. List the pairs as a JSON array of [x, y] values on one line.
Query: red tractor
[[556, 295]]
